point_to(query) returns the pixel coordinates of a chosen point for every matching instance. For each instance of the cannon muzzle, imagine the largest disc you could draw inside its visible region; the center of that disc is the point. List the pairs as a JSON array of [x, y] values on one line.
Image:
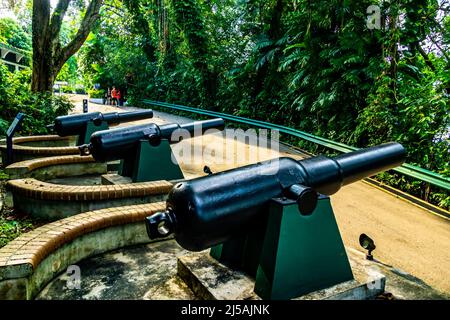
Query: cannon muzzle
[[204, 126], [206, 211], [368, 162], [327, 175], [196, 128]]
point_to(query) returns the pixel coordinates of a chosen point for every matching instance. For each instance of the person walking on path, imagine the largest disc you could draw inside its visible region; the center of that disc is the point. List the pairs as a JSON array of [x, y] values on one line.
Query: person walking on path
[[114, 96]]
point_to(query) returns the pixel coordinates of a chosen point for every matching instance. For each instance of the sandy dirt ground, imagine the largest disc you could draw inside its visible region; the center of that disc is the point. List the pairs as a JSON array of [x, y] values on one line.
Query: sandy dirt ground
[[407, 237]]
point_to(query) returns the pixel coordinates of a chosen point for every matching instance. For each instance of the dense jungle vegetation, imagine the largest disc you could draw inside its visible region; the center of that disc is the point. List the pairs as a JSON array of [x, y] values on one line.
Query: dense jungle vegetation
[[358, 72]]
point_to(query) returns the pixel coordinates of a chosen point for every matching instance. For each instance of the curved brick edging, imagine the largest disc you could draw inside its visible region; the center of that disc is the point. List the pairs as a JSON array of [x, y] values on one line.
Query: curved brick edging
[[55, 167], [52, 201], [33, 140], [31, 261], [31, 147]]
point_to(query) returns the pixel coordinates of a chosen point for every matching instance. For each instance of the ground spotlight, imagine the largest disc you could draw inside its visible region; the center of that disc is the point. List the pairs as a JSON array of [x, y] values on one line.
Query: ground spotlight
[[367, 243]]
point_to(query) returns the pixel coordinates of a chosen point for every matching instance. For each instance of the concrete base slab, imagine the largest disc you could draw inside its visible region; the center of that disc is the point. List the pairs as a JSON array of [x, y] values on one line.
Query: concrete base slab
[[56, 170], [86, 180], [173, 289], [113, 179], [209, 279]]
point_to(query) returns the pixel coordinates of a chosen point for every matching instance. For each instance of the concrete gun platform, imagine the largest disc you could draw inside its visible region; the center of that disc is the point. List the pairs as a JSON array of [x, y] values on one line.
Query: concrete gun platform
[[150, 272]]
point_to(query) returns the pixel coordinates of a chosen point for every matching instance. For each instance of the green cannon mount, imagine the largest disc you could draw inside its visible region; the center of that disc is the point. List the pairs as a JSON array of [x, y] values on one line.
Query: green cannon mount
[[289, 254], [91, 128], [151, 163]]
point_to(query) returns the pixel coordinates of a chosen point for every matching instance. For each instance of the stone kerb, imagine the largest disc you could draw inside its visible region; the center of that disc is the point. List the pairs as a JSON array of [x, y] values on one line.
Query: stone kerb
[[52, 201]]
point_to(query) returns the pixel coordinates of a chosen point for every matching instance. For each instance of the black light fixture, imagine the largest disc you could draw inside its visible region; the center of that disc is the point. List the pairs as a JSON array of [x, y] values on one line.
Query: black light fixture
[[367, 243], [207, 170]]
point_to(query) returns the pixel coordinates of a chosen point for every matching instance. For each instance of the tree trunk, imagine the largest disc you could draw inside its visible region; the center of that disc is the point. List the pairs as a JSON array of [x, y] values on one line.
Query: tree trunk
[[41, 80], [43, 77], [48, 55]]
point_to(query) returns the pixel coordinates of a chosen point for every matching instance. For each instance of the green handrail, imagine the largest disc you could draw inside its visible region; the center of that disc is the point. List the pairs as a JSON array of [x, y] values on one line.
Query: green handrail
[[416, 172]]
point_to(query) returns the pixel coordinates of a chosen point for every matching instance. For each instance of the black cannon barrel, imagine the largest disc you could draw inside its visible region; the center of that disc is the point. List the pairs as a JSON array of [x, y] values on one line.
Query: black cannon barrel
[[74, 124], [120, 143], [121, 117], [210, 210]]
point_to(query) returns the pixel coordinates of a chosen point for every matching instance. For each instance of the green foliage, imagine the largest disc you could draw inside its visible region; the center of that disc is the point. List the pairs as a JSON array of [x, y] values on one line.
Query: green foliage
[[114, 60], [12, 227], [3, 176], [14, 35], [96, 93], [69, 71], [15, 96]]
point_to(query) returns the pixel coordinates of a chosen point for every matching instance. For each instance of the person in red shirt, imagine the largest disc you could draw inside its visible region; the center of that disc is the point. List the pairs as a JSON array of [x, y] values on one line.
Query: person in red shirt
[[114, 96]]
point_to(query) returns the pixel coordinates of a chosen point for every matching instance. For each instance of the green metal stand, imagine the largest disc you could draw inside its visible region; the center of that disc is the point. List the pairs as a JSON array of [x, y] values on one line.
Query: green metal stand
[[290, 254], [85, 137], [151, 163]]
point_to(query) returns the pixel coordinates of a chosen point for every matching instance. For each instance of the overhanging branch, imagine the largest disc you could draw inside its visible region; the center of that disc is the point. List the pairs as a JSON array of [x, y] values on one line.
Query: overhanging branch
[[91, 16], [57, 18]]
